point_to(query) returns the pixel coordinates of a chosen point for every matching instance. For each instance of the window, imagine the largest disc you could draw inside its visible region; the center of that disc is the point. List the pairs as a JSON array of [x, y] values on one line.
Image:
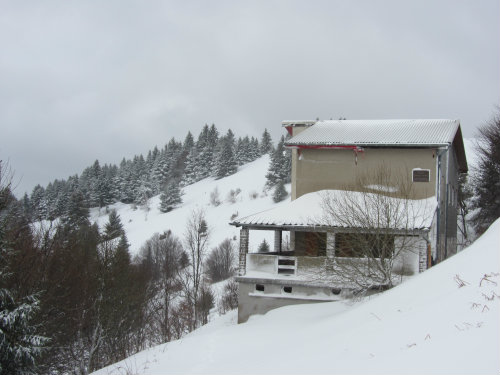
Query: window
[[310, 243], [421, 175], [259, 287], [360, 245], [287, 289]]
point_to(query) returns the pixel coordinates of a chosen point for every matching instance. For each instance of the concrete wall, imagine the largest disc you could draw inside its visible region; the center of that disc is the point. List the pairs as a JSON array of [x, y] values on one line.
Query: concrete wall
[[252, 302], [340, 169], [262, 263]]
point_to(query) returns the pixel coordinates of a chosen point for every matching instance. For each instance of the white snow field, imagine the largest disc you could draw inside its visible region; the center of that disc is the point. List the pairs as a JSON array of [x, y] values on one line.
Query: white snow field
[[443, 321], [141, 224]]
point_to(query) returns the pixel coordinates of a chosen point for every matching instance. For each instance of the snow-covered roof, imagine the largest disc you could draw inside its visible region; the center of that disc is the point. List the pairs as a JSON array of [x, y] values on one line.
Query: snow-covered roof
[[309, 211], [378, 132]]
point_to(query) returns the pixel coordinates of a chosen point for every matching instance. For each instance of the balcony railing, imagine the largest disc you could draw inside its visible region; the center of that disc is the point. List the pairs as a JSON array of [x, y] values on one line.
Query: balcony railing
[[284, 264]]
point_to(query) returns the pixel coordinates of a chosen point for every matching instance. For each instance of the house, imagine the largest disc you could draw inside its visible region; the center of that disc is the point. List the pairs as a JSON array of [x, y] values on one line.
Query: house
[[346, 174]]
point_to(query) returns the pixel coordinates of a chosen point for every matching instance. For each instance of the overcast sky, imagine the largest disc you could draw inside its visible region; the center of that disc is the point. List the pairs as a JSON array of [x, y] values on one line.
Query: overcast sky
[[86, 80]]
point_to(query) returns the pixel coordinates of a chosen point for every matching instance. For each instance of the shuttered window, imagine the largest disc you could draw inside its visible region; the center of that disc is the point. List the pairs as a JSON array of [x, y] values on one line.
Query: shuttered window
[[421, 175]]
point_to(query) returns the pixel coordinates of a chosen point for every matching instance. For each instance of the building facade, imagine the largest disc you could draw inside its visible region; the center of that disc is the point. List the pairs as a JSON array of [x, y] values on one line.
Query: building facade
[[409, 167]]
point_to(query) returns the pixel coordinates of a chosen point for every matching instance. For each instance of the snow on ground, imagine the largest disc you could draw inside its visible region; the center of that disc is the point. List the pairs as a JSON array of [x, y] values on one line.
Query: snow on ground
[[140, 224], [443, 321]]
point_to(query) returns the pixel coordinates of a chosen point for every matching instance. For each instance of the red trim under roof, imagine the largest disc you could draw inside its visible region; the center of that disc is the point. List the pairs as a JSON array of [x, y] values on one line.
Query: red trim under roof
[[316, 147]]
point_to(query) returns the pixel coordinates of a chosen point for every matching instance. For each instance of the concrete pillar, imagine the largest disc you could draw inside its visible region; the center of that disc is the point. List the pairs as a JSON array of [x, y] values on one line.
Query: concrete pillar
[[277, 241], [292, 240], [243, 251], [422, 255]]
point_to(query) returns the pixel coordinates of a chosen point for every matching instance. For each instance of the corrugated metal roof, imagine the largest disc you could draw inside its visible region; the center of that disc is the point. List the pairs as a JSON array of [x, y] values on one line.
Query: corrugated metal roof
[[309, 211], [378, 132]]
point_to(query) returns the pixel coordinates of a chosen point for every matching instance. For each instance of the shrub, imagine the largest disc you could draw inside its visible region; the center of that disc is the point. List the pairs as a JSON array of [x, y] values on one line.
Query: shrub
[[221, 261]]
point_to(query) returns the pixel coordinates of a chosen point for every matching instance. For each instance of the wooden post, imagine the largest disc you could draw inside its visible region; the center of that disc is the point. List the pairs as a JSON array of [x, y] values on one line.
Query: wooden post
[[277, 241]]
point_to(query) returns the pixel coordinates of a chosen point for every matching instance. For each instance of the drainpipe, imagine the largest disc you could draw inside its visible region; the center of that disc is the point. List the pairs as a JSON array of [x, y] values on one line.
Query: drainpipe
[[446, 204]]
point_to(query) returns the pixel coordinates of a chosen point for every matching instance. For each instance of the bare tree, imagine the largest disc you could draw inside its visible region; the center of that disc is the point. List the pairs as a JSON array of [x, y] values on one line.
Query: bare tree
[[163, 257], [196, 239], [375, 229], [221, 261], [229, 298]]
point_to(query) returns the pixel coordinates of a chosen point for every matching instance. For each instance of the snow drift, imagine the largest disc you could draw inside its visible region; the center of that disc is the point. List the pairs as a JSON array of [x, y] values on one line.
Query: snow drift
[[445, 320]]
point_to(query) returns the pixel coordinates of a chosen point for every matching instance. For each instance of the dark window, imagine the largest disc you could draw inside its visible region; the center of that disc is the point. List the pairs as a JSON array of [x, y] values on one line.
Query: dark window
[[286, 262], [310, 243], [336, 291], [259, 287], [421, 175], [287, 289], [356, 245]]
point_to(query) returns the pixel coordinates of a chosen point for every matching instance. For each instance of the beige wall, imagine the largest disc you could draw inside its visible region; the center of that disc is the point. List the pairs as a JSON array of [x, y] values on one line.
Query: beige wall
[[339, 169]]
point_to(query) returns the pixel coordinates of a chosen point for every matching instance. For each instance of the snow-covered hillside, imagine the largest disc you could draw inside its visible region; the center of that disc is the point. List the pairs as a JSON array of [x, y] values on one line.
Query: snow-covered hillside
[[141, 224], [445, 320]]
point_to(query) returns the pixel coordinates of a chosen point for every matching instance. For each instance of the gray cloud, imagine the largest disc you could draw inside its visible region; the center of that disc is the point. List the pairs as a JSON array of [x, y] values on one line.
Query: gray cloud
[[87, 80]]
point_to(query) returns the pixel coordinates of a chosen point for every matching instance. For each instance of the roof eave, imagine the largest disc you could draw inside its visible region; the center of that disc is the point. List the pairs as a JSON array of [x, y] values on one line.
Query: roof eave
[[324, 228], [365, 145]]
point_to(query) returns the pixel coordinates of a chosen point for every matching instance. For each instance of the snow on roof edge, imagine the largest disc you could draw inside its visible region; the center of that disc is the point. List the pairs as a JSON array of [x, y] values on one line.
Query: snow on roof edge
[[307, 211]]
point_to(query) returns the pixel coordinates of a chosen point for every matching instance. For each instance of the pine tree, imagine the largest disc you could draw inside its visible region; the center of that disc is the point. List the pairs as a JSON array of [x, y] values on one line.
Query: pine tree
[[27, 210], [176, 159], [263, 247], [61, 197], [486, 179], [266, 143], [39, 203], [159, 174], [286, 169], [124, 182], [254, 149], [240, 152], [190, 172], [19, 343], [170, 197], [188, 142], [206, 146], [77, 212], [114, 227], [280, 192], [226, 163], [274, 173], [279, 166]]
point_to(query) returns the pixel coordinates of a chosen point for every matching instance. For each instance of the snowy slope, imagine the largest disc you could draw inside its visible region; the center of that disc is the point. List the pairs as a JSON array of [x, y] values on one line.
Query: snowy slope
[[140, 224], [430, 324]]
